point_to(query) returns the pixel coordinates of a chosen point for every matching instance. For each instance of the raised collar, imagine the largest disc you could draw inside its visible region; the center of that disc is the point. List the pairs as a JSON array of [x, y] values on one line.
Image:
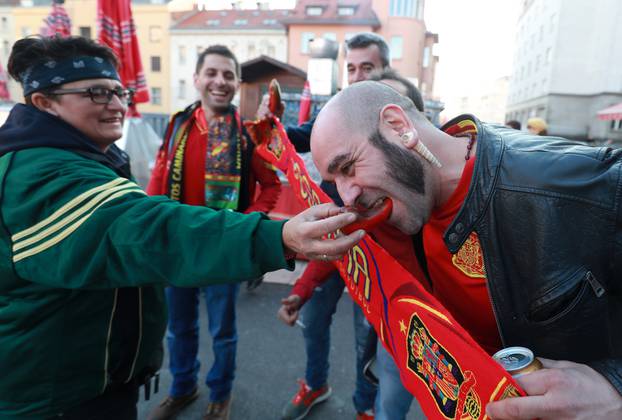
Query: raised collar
[[489, 151]]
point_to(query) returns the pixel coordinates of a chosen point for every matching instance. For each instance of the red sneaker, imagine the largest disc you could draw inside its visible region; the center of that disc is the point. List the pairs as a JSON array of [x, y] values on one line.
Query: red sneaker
[[367, 415], [304, 399]]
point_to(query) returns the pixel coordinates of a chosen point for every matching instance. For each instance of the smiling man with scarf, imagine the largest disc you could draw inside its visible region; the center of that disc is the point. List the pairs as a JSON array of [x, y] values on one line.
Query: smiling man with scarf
[[207, 160]]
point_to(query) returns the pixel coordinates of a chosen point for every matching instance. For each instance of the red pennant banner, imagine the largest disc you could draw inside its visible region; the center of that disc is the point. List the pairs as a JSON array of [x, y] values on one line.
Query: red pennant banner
[[449, 374]]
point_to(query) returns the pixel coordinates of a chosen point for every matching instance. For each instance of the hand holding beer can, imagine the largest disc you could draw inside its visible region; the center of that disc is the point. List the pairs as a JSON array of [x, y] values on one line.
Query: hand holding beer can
[[517, 361]]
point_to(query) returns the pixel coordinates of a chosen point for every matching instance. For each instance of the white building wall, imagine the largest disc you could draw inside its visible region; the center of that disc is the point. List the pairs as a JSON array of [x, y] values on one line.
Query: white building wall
[[568, 57], [245, 45], [7, 39]]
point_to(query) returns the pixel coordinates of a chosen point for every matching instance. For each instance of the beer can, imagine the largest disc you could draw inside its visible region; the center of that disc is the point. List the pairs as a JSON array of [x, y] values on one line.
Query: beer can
[[517, 360]]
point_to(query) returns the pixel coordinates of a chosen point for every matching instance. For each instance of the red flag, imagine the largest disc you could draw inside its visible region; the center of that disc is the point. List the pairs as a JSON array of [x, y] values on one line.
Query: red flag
[[117, 30], [305, 104], [4, 89], [57, 22], [451, 376]]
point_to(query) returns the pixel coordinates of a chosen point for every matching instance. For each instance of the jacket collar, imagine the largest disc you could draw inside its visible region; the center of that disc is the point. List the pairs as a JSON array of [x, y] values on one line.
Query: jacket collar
[[489, 151]]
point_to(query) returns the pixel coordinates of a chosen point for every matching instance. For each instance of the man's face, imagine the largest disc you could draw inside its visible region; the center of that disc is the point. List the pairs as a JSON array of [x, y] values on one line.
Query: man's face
[[362, 63], [216, 82], [366, 173]]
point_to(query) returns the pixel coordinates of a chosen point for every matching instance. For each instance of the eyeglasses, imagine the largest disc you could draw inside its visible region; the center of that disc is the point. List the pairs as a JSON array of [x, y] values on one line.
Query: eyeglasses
[[100, 95]]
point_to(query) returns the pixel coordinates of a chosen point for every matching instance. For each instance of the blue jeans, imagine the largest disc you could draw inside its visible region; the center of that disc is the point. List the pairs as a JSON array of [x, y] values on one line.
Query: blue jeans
[[393, 400], [183, 338], [317, 316]]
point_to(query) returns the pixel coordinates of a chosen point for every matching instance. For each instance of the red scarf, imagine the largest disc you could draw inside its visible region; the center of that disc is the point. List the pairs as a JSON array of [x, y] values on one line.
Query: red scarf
[[448, 372]]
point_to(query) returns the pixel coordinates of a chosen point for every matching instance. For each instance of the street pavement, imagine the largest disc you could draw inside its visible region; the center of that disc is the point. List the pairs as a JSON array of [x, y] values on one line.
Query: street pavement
[[271, 358]]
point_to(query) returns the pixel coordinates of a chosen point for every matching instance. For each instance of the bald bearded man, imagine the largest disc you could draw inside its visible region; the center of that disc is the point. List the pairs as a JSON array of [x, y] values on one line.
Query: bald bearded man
[[544, 212]]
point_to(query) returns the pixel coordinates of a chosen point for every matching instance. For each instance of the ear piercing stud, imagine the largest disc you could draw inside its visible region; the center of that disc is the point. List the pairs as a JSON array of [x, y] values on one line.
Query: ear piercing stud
[[421, 149]]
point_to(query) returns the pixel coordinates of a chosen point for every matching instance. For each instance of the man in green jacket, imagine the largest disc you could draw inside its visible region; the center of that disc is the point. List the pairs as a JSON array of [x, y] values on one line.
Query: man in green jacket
[[84, 253]]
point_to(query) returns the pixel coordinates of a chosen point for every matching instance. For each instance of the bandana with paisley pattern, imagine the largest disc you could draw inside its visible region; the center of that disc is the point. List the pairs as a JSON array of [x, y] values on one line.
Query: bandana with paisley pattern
[[52, 73]]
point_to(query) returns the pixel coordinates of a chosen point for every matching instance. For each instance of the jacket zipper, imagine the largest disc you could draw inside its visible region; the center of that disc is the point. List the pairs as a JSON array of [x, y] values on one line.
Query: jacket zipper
[[492, 301], [107, 353], [140, 333], [598, 288]]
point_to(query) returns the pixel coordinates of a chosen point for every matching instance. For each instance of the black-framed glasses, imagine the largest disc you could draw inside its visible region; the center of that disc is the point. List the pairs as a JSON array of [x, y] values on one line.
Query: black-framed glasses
[[100, 95]]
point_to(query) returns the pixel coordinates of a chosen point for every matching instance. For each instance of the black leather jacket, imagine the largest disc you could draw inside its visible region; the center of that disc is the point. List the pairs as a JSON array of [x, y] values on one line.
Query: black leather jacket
[[548, 214]]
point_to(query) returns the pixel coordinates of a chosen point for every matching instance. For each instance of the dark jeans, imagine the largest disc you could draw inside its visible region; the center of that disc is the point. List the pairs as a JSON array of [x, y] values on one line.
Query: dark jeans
[[183, 338], [118, 403], [315, 321]]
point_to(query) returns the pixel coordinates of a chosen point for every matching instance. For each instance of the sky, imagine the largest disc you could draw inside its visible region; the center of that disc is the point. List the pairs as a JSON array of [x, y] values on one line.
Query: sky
[[476, 42]]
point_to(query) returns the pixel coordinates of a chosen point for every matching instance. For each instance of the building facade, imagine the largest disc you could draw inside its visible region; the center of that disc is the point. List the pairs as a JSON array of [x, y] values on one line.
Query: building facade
[[152, 20], [249, 33], [7, 38], [399, 22], [568, 66]]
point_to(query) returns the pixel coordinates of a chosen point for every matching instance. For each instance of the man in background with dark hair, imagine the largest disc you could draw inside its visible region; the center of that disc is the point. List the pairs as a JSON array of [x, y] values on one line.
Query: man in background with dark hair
[[208, 148], [513, 124]]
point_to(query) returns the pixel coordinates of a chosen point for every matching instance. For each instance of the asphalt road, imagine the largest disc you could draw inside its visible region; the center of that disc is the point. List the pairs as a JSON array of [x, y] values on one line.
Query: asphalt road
[[271, 358]]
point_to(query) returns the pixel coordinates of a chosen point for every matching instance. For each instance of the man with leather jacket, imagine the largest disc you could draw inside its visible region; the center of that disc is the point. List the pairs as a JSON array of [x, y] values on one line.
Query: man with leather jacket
[[522, 237]]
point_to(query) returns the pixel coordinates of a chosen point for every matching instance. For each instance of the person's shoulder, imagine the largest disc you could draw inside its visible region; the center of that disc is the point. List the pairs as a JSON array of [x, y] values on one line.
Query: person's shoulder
[[43, 162]]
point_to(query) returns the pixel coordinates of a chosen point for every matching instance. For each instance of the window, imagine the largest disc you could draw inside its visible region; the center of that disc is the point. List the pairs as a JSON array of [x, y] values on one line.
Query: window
[[155, 33], [314, 10], [85, 31], [213, 22], [552, 23], [616, 125], [271, 51], [6, 48], [397, 44], [426, 57], [4, 22], [405, 8], [345, 10], [251, 50], [182, 54], [240, 22], [156, 96], [330, 35], [305, 37], [547, 56], [541, 34], [537, 65], [269, 22], [419, 10], [155, 63], [181, 92]]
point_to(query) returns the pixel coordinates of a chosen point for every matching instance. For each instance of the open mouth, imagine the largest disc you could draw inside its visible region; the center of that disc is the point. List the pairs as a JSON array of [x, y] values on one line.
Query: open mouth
[[369, 211], [114, 120], [370, 217], [219, 94]]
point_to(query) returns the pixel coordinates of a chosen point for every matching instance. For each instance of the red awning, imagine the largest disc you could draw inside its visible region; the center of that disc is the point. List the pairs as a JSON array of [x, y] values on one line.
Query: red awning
[[614, 112]]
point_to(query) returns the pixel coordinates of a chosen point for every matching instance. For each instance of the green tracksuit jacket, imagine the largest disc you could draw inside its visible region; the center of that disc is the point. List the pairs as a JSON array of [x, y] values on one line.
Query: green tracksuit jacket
[[84, 256]]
